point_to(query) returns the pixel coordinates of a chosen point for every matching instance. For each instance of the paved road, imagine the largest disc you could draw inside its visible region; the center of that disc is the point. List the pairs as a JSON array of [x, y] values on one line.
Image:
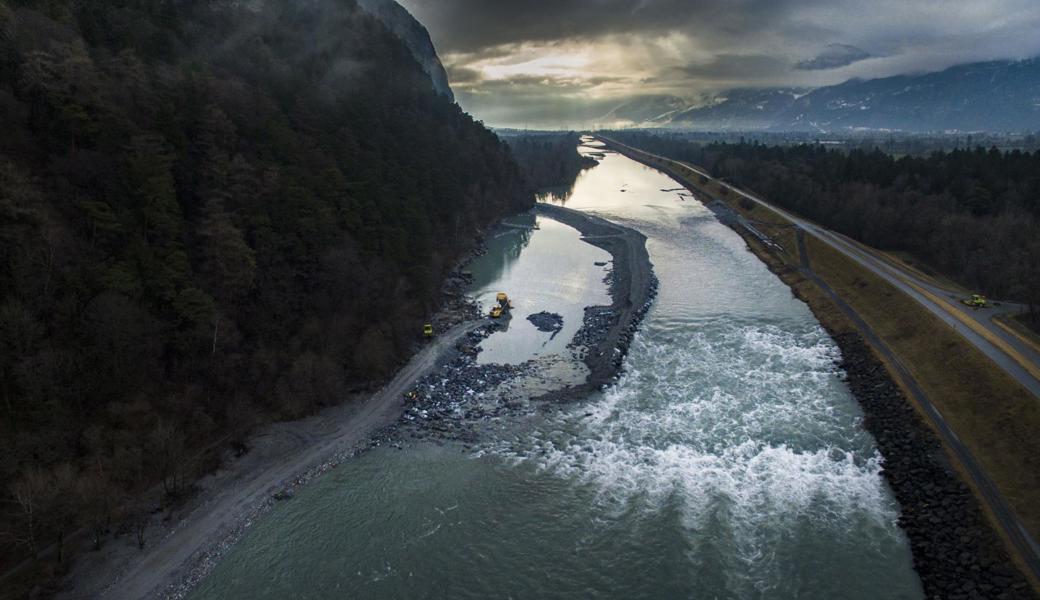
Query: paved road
[[1021, 540], [1017, 357]]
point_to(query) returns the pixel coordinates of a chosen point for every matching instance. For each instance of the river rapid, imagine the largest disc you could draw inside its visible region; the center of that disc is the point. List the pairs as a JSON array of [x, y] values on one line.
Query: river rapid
[[728, 461]]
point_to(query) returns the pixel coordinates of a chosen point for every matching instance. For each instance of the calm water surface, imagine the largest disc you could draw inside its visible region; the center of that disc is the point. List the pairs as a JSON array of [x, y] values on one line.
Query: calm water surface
[[728, 462], [558, 273]]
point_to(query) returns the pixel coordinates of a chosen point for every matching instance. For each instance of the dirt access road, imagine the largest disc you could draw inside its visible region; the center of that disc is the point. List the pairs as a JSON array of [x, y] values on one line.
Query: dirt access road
[[231, 496]]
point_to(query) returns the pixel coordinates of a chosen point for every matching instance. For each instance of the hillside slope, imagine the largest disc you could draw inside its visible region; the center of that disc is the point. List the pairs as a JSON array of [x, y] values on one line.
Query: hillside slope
[[211, 214], [740, 109]]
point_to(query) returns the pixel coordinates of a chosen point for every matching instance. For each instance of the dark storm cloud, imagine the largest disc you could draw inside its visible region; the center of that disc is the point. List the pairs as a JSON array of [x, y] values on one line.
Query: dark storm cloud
[[834, 56], [727, 67], [471, 25], [513, 60]]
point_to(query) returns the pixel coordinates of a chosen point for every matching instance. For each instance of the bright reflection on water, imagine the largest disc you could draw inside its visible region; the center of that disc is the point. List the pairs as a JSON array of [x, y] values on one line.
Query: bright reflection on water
[[728, 463], [558, 274]]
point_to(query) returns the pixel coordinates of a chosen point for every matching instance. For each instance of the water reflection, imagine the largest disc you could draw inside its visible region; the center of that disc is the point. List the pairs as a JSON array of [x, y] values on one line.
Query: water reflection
[[556, 195], [543, 266]]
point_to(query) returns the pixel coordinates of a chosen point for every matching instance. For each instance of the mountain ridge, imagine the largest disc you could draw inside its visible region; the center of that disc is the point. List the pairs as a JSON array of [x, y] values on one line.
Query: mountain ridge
[[1000, 96]]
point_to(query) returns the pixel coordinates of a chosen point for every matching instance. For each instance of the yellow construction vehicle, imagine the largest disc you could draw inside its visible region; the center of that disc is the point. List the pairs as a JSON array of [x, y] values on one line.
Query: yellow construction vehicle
[[976, 301], [502, 304], [427, 330]]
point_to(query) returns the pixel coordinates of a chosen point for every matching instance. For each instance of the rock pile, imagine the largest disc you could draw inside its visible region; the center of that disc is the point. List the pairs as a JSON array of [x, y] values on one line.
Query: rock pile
[[625, 337], [453, 402], [597, 323], [956, 553], [547, 322], [597, 326]]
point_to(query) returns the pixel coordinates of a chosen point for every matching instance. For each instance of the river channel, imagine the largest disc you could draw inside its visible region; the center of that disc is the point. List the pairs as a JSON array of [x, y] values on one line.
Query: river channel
[[728, 462]]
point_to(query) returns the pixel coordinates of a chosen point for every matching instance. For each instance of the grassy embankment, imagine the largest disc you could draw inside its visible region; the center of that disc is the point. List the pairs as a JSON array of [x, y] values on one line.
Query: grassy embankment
[[990, 412]]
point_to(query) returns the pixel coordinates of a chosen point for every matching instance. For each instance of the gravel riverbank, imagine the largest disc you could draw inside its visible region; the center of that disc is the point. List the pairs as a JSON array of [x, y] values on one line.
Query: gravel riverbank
[[456, 402], [607, 331], [443, 394], [956, 553]]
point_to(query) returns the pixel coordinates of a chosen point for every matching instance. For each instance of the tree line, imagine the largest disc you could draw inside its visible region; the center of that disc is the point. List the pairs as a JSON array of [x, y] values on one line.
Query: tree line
[[549, 159], [972, 214], [212, 214]]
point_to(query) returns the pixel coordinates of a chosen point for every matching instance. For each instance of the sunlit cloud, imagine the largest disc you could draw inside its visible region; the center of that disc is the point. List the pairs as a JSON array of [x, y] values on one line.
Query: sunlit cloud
[[553, 62], [550, 65]]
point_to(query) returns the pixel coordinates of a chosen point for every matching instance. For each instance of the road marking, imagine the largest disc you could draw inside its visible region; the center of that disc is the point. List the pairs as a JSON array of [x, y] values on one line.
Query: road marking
[[972, 324], [1011, 331], [940, 302]]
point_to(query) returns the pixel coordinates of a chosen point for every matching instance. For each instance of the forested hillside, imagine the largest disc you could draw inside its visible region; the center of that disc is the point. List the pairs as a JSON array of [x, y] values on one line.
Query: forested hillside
[[549, 159], [211, 214], [972, 214]]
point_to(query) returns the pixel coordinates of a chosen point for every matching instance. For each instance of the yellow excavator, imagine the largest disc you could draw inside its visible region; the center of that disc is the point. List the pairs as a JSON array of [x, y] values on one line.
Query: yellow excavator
[[502, 305], [976, 301]]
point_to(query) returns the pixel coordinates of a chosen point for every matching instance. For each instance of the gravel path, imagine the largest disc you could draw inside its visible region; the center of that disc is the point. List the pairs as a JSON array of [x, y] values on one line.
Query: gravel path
[[229, 499], [181, 551]]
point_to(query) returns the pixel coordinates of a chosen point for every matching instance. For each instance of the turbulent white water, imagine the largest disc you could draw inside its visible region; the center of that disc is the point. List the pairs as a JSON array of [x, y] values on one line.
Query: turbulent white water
[[728, 462], [758, 444]]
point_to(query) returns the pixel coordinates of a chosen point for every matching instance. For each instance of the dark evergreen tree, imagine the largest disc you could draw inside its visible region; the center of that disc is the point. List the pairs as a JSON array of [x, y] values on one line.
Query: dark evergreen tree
[[211, 214]]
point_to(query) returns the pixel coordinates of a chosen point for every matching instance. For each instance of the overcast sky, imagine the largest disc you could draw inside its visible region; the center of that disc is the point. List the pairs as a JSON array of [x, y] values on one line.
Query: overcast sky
[[552, 63]]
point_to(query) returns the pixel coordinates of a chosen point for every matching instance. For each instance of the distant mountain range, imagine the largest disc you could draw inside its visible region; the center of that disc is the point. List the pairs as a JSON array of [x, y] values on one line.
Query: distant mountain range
[[740, 109], [992, 96]]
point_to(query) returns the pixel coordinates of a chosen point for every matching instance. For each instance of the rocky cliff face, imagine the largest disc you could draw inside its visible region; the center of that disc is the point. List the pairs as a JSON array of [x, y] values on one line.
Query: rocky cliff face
[[414, 36]]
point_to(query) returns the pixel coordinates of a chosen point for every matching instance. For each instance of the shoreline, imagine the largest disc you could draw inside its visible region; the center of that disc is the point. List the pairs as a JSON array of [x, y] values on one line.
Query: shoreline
[[189, 540], [607, 331], [956, 552], [186, 543]]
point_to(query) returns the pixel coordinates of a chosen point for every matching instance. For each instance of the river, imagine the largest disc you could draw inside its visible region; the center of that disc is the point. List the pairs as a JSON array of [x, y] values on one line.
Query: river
[[728, 462]]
